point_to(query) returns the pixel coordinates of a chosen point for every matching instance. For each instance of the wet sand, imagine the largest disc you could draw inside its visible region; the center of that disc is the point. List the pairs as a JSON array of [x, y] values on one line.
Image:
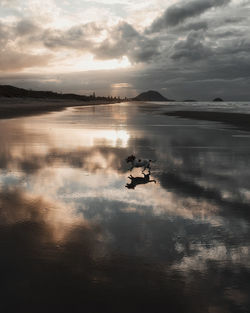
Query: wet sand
[[74, 238], [17, 107], [238, 120]]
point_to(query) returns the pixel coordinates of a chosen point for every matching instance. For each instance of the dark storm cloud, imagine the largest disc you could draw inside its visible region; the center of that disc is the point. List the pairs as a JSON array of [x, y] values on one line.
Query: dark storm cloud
[[125, 40], [146, 50], [26, 27], [178, 13], [118, 42], [78, 37], [224, 34], [194, 26], [193, 48]]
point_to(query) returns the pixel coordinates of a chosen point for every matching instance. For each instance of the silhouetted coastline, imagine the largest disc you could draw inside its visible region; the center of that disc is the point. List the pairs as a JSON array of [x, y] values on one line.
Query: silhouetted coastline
[[15, 102], [9, 91]]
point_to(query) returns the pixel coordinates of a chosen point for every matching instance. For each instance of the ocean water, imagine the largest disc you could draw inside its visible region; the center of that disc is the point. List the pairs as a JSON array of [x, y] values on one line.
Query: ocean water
[[75, 238]]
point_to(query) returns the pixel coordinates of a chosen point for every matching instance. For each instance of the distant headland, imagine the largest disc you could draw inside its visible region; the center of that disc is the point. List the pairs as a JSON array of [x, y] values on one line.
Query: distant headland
[[151, 95]]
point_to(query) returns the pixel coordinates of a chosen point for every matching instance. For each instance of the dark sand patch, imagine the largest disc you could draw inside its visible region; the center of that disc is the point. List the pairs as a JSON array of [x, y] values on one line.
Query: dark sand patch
[[238, 120], [17, 107]]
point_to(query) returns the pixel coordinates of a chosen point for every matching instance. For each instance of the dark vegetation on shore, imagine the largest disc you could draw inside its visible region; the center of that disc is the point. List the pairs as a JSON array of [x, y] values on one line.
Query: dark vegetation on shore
[[15, 92], [17, 102], [238, 120]]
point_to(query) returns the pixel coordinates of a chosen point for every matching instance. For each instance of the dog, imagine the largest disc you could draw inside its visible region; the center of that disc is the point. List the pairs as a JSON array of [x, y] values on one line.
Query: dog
[[139, 181], [146, 164]]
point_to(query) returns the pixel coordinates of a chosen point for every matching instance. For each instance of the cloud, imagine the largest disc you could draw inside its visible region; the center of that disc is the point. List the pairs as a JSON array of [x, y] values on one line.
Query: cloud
[[26, 27], [78, 37], [15, 35], [194, 26], [3, 34], [118, 42], [193, 48], [104, 43], [15, 61], [8, 3], [125, 40], [178, 13]]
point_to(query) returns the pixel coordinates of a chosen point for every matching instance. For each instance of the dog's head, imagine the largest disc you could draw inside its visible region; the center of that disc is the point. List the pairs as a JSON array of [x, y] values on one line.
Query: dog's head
[[130, 186], [130, 158]]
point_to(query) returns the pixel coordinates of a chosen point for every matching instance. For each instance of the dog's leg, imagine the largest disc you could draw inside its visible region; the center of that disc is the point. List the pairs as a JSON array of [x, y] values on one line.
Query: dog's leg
[[152, 181]]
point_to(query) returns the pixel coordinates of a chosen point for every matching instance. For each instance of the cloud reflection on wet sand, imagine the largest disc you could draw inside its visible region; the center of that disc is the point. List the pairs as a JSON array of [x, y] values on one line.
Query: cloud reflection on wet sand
[[74, 238]]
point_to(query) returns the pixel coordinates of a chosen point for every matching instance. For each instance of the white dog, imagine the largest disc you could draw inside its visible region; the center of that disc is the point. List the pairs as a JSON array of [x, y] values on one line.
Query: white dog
[[146, 164]]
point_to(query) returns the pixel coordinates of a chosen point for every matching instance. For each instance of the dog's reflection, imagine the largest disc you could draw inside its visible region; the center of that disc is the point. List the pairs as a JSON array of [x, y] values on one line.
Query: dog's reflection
[[139, 181]]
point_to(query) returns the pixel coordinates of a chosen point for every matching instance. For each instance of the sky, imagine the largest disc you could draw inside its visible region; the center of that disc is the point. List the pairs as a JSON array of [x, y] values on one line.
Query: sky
[[185, 49]]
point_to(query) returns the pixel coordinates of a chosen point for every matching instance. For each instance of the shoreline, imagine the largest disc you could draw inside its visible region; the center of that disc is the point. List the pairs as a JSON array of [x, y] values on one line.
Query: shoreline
[[20, 107], [240, 121]]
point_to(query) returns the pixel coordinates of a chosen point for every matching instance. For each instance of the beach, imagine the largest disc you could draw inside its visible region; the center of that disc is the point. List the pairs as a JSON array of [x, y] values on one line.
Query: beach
[[81, 232], [15, 107]]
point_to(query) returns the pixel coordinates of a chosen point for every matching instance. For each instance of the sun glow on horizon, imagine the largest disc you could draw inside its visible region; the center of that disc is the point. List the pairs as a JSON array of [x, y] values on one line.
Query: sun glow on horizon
[[90, 63], [87, 62]]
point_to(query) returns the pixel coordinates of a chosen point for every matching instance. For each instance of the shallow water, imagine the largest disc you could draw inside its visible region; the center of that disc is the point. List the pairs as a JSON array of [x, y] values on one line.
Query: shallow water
[[73, 238]]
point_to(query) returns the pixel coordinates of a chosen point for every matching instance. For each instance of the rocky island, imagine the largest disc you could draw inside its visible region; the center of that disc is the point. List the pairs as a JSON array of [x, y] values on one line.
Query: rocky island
[[218, 100]]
